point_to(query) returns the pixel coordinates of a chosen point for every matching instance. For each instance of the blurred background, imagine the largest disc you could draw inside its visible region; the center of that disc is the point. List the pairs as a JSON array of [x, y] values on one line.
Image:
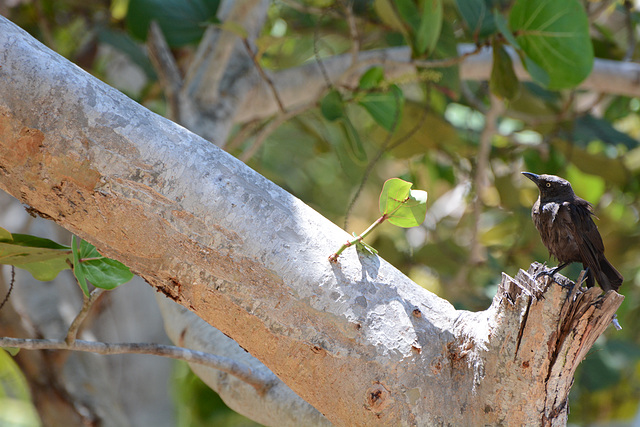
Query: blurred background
[[463, 140]]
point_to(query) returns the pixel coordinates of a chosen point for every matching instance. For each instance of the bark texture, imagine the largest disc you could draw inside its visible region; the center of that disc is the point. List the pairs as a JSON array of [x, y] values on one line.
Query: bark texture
[[358, 340]]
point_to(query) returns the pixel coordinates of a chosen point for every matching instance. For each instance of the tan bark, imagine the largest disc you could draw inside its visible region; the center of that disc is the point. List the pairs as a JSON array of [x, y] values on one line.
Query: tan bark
[[357, 340]]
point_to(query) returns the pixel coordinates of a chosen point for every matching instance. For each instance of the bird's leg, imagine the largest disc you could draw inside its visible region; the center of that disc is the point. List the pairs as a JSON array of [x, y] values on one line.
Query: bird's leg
[[551, 272]]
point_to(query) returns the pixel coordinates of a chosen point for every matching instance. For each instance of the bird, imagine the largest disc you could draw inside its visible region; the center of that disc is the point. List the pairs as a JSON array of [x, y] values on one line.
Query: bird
[[566, 228]]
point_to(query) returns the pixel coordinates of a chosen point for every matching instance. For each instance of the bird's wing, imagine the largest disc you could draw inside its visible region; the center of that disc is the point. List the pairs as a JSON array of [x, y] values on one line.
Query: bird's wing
[[585, 233]]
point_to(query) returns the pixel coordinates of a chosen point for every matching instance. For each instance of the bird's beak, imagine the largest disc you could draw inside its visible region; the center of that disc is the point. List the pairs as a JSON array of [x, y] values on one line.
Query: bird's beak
[[532, 176]]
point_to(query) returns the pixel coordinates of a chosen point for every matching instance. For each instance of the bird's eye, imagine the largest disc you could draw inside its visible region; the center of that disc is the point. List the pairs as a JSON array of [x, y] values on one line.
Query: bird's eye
[[548, 184]]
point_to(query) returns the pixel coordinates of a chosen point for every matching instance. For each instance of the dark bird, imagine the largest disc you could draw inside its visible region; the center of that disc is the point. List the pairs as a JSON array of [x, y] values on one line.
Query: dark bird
[[567, 230]]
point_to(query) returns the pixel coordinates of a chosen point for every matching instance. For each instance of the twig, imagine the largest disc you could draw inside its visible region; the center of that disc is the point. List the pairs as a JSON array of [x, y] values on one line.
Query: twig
[[247, 129], [316, 53], [353, 32], [259, 381], [310, 9], [631, 32], [264, 76], [84, 311], [13, 279], [165, 64], [495, 110], [447, 62]]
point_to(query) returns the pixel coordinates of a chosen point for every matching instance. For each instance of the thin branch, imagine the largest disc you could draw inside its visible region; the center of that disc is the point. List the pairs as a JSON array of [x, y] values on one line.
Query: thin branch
[[316, 53], [168, 71], [353, 32], [239, 370], [481, 176], [247, 129], [13, 279], [447, 62], [303, 8], [264, 76], [631, 32], [84, 311]]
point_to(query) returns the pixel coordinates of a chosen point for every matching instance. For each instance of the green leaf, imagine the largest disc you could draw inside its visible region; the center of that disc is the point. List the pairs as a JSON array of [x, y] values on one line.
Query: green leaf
[[182, 22], [101, 271], [78, 271], [503, 27], [554, 35], [409, 13], [428, 32], [353, 143], [402, 206], [478, 16], [5, 235], [388, 14], [371, 78], [43, 258], [385, 107], [331, 106], [504, 82]]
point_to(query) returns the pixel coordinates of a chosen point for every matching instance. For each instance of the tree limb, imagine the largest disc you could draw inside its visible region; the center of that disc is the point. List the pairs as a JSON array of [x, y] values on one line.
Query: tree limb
[[357, 340]]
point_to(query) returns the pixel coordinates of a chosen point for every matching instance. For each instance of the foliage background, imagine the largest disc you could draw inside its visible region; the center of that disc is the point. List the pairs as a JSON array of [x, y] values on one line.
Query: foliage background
[[336, 154]]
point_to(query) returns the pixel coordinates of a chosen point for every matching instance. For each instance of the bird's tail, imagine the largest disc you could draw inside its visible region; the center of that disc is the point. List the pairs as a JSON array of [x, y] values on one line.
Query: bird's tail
[[608, 277]]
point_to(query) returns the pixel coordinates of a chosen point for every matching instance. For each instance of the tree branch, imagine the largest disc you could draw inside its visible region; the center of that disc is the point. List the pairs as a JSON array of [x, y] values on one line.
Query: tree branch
[[359, 341], [192, 356], [301, 84]]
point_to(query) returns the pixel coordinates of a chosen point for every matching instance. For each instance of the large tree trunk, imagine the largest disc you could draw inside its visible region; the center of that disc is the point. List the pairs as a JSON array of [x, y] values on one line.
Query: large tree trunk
[[357, 340]]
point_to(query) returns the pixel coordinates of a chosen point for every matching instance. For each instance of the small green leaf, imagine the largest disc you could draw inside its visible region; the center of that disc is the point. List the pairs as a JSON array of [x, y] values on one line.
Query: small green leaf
[[413, 212], [554, 35], [385, 107], [504, 82], [101, 271], [371, 78], [430, 26], [331, 106], [395, 192], [402, 206], [78, 271]]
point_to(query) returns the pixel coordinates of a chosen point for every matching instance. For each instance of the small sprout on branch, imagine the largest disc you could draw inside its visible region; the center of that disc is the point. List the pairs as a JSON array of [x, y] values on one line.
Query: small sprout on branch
[[400, 205]]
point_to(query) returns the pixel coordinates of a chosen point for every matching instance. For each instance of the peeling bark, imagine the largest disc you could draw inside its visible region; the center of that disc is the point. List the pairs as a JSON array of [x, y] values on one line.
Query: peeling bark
[[358, 340]]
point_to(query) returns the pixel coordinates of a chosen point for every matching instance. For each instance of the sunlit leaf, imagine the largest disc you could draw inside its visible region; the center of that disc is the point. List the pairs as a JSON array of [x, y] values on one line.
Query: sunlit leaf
[[403, 207]]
